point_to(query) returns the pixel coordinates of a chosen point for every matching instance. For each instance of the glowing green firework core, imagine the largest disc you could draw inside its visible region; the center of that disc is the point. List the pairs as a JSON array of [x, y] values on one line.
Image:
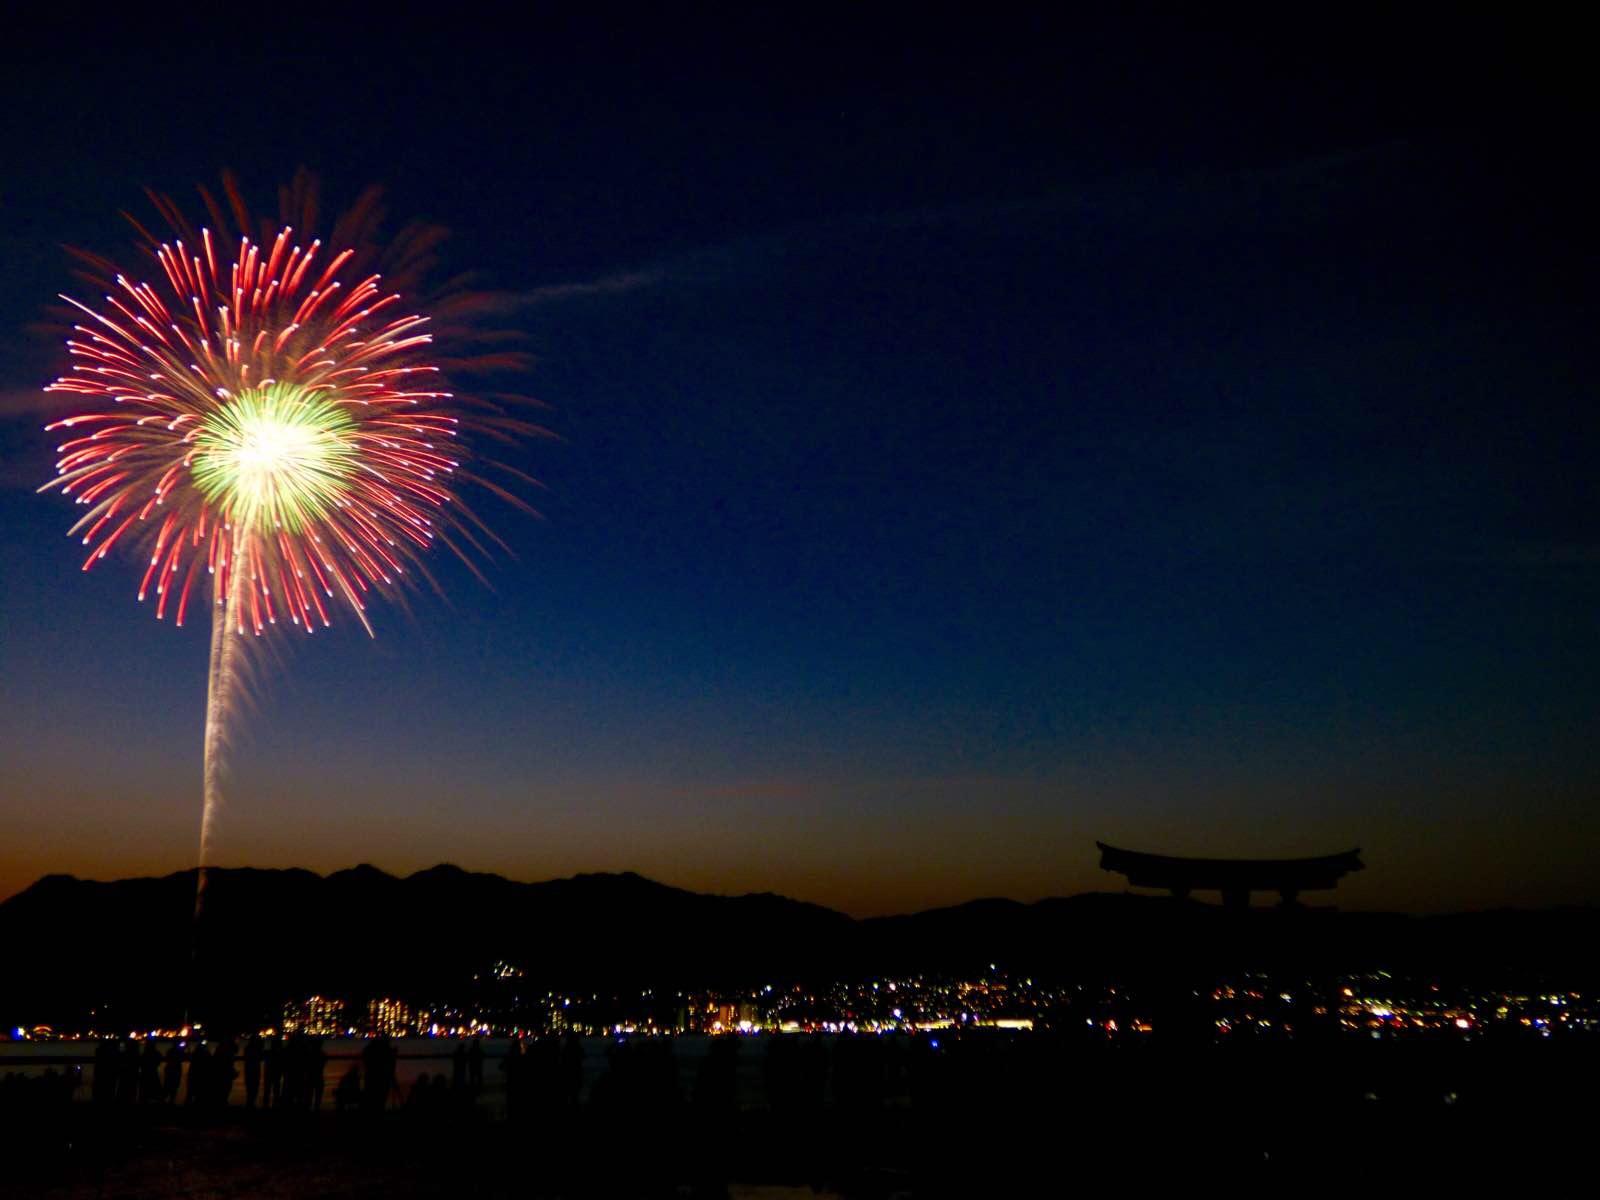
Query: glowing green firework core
[[277, 456]]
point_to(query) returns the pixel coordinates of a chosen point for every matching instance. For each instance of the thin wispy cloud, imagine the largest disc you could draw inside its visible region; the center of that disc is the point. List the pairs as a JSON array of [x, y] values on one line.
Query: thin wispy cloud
[[1534, 556], [1145, 200], [618, 283]]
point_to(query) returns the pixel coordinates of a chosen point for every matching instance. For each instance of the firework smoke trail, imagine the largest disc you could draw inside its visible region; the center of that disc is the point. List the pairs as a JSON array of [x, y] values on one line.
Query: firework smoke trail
[[268, 414], [222, 680]]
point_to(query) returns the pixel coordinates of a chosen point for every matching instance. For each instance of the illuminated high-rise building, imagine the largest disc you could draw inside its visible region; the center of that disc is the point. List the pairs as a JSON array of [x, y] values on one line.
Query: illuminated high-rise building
[[318, 1015], [388, 1016]]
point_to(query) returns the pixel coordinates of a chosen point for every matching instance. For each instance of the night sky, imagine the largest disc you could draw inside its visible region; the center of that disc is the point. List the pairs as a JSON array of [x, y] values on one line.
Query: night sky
[[975, 440]]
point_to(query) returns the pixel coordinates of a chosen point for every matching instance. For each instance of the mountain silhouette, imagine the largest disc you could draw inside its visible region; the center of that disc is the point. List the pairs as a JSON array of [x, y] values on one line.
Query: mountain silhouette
[[77, 951]]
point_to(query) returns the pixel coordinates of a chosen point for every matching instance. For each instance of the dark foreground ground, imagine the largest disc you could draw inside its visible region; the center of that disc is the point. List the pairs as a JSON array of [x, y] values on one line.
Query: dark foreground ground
[[1128, 1153], [1281, 1119]]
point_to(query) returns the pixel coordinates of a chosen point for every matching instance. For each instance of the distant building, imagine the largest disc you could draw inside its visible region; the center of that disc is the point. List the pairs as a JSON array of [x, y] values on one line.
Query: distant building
[[1235, 878], [392, 1018], [318, 1015]]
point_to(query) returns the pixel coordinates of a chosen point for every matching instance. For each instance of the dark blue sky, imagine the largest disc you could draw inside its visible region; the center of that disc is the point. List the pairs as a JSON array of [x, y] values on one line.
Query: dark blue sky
[[975, 441]]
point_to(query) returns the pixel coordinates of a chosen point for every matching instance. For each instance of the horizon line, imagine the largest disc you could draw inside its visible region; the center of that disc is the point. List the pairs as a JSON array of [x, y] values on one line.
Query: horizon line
[[1126, 892]]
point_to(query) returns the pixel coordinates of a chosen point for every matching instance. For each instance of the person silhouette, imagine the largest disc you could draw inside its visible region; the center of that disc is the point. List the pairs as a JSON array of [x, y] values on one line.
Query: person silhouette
[[103, 1087], [272, 1063], [418, 1099], [150, 1074], [253, 1050], [132, 1072], [172, 1072], [391, 1068], [223, 1072], [199, 1075], [379, 1058], [475, 1066], [316, 1070], [347, 1095], [458, 1068], [125, 1071], [291, 1056]]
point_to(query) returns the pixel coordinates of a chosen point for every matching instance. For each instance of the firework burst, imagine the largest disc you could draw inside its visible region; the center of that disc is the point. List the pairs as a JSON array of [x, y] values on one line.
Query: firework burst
[[266, 420], [263, 416]]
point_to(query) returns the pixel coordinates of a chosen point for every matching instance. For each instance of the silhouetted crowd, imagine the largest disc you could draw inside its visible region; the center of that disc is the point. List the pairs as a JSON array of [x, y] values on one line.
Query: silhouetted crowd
[[543, 1077], [949, 1108], [289, 1073], [278, 1072], [795, 1077]]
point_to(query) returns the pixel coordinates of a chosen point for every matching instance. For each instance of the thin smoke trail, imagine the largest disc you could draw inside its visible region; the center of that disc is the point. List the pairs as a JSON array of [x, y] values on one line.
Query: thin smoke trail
[[221, 686]]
